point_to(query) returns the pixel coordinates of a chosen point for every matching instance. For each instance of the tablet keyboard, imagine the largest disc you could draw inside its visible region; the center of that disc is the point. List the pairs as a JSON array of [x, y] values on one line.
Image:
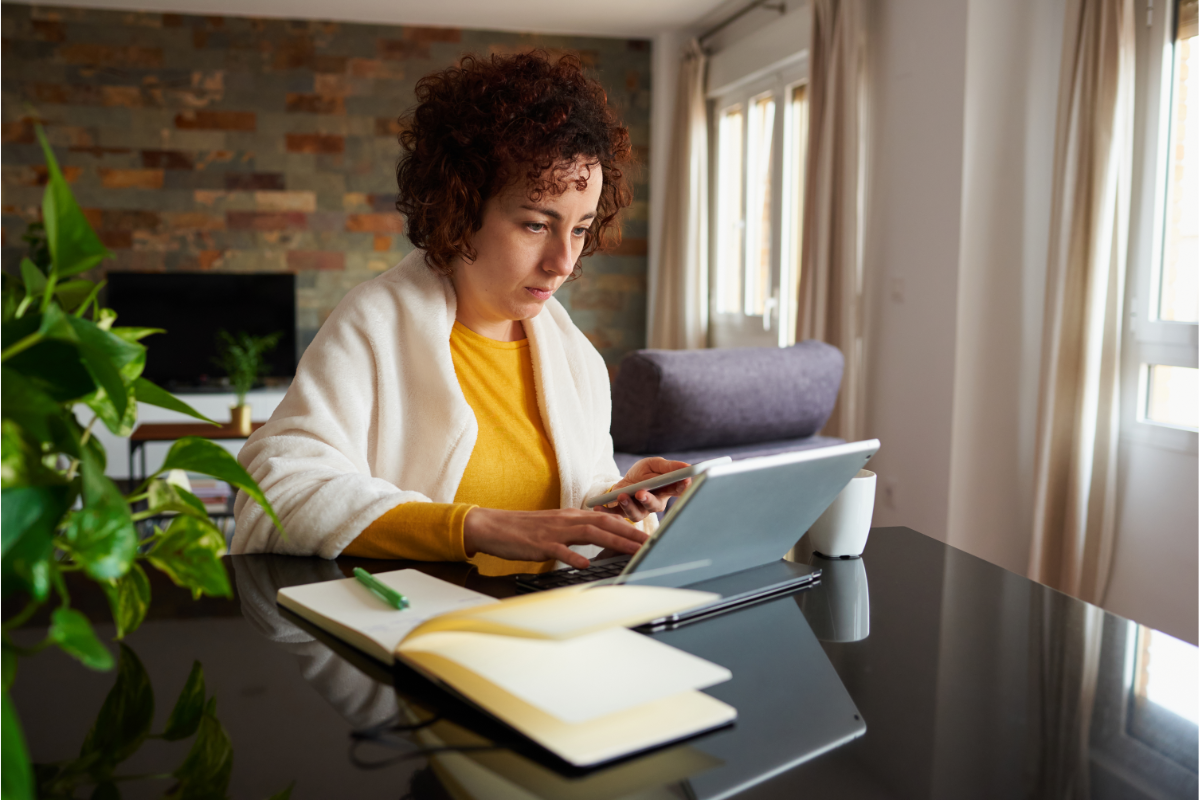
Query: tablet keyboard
[[598, 570]]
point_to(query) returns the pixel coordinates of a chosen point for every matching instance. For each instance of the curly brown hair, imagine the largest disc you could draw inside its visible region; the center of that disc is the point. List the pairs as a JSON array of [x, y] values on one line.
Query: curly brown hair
[[478, 125]]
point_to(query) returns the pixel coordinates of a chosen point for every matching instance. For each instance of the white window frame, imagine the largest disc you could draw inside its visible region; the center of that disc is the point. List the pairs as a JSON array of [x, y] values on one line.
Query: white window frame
[[1148, 340], [781, 308]]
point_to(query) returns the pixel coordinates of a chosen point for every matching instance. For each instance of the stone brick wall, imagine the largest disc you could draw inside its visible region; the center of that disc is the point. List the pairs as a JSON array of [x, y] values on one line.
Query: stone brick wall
[[256, 145]]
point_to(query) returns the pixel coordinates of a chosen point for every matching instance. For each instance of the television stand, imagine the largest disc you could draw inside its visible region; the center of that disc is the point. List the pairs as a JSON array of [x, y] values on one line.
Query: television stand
[[169, 432]]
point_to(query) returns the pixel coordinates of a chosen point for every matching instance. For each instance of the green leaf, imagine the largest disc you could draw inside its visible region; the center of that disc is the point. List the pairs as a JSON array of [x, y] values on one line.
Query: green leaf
[[166, 497], [31, 511], [16, 778], [124, 720], [135, 334], [206, 771], [190, 554], [153, 395], [13, 331], [71, 631], [27, 565], [81, 309], [127, 356], [74, 246], [35, 281], [111, 398], [21, 459], [101, 536], [99, 402], [65, 434], [129, 598], [8, 298], [72, 294], [201, 455], [185, 716], [56, 367], [55, 323], [27, 404]]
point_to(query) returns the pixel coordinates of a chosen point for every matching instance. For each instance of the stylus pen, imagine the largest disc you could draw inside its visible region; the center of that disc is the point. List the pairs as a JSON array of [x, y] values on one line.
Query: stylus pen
[[380, 589]]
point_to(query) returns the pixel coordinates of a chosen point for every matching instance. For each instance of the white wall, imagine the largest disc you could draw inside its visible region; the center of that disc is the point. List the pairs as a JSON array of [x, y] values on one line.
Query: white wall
[[911, 253], [1012, 69]]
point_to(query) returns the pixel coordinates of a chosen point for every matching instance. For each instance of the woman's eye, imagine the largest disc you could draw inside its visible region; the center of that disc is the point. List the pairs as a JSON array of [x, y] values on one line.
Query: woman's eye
[[581, 231], [536, 227]]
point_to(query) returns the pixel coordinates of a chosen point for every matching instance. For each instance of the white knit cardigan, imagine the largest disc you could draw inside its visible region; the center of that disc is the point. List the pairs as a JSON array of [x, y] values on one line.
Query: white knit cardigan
[[375, 417]]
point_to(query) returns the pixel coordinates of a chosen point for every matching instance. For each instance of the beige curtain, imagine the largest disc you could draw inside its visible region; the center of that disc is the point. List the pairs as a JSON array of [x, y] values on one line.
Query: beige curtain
[[679, 316], [1075, 467], [1065, 642], [831, 285]]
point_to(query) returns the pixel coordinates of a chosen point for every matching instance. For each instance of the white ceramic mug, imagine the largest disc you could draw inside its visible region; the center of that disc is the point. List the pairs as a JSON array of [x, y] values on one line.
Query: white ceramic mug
[[842, 530]]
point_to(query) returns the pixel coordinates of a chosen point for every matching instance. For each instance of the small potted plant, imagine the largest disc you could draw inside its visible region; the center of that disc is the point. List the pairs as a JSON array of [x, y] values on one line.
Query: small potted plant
[[243, 359]]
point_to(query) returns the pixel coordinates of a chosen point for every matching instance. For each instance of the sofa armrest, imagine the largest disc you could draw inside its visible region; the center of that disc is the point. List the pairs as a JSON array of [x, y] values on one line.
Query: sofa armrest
[[675, 400]]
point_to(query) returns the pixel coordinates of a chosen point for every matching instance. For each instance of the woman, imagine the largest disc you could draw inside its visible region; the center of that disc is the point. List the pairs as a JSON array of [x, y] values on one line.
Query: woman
[[449, 409]]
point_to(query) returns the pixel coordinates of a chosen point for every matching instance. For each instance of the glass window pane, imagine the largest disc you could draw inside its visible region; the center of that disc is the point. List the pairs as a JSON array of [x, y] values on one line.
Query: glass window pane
[[1172, 394], [1166, 674], [758, 217], [798, 108], [730, 225], [1179, 287]]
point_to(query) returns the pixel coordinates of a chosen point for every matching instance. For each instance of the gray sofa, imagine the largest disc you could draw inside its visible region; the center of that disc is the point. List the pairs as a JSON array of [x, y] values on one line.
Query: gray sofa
[[693, 405]]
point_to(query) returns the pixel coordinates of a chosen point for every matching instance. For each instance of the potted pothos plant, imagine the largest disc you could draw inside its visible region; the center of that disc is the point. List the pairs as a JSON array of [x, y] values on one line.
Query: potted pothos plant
[[66, 367], [243, 357]]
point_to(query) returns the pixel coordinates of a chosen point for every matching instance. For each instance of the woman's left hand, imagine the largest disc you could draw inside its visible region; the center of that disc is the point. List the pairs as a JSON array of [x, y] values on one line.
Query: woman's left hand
[[637, 506]]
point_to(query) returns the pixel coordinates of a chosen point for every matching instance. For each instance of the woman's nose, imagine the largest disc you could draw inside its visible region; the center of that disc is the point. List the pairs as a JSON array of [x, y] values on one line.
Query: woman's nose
[[560, 256]]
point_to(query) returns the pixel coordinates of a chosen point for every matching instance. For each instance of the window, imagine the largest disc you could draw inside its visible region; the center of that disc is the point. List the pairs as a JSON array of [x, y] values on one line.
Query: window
[[1176, 289], [1161, 375], [1144, 734], [731, 224], [760, 132]]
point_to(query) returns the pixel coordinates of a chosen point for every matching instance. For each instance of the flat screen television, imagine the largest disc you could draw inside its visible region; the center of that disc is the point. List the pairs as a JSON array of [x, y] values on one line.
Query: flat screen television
[[192, 307]]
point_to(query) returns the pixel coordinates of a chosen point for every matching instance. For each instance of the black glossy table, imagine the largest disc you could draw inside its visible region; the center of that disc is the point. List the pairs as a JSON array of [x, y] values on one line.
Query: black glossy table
[[974, 682]]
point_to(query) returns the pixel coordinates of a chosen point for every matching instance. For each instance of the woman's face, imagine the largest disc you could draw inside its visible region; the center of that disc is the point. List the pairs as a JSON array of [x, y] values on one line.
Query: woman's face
[[526, 250]]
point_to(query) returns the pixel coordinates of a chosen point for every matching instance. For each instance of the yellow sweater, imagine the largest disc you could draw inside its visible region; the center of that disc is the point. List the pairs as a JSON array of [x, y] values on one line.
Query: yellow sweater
[[512, 466]]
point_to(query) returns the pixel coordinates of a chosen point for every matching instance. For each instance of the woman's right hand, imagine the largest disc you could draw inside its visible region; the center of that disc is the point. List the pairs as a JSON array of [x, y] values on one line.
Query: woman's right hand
[[542, 535]]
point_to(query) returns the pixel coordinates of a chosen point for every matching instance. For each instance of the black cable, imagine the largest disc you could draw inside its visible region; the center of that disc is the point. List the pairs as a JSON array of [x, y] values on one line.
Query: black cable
[[378, 734], [419, 753], [392, 726]]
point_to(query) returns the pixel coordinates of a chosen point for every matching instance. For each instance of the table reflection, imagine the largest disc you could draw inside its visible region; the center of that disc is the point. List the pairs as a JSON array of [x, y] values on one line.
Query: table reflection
[[398, 716], [839, 607], [972, 682], [979, 683]]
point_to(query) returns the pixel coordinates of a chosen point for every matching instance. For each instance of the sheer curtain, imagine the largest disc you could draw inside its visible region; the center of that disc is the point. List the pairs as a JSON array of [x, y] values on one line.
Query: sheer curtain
[[679, 319], [1077, 435], [831, 286]]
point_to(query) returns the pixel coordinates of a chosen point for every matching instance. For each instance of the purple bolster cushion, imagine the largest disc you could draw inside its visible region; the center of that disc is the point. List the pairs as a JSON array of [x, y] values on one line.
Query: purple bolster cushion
[[666, 400]]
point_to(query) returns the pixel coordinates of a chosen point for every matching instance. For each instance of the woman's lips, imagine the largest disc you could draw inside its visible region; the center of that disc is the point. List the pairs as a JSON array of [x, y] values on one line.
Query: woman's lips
[[540, 294]]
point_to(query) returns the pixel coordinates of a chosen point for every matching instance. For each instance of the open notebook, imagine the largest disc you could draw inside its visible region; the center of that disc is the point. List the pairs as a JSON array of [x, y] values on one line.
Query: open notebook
[[561, 667]]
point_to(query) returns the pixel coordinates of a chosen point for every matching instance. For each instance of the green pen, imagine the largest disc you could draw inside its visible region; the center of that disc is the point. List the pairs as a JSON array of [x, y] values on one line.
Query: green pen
[[381, 590]]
